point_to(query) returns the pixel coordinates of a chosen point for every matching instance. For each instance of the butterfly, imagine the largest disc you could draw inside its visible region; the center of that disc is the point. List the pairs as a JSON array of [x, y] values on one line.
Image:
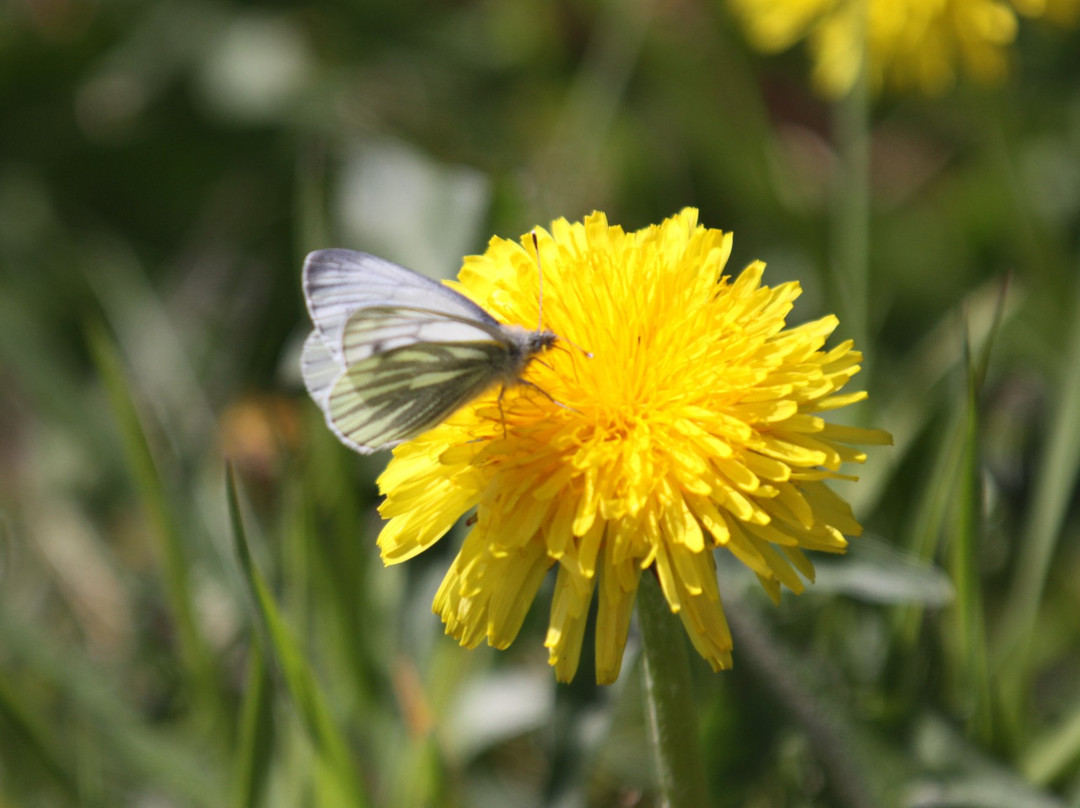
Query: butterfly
[[394, 353]]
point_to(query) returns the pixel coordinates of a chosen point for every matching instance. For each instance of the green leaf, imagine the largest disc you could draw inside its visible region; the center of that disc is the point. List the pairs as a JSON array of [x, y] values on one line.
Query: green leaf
[[875, 572]]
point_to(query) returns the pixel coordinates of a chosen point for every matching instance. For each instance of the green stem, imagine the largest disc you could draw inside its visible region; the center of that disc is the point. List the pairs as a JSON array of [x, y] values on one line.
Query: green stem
[[851, 207], [669, 702]]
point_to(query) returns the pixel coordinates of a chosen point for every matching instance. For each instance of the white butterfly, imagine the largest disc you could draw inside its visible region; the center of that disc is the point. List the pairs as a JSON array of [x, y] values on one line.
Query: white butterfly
[[394, 353]]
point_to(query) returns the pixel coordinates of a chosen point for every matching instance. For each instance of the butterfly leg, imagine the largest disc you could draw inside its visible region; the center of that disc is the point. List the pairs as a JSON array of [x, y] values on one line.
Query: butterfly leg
[[546, 394], [502, 413]]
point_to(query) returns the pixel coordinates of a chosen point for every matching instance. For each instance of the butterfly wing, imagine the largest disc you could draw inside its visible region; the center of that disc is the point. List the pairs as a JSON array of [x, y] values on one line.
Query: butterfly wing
[[390, 397], [393, 352], [404, 370], [337, 283], [383, 328], [319, 368]]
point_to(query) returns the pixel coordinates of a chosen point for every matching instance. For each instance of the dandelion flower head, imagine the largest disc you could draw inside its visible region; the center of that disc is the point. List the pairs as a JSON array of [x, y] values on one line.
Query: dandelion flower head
[[917, 45], [693, 425]]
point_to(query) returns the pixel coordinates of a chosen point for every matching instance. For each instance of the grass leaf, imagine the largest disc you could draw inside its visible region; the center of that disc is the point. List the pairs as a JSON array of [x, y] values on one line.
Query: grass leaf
[[336, 773]]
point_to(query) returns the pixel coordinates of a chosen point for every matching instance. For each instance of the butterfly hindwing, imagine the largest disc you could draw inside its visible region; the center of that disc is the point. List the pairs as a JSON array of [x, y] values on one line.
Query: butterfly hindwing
[[318, 368], [391, 396]]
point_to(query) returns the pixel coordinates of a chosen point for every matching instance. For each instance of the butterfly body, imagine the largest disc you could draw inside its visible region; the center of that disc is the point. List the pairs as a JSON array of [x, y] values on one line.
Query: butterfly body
[[394, 353]]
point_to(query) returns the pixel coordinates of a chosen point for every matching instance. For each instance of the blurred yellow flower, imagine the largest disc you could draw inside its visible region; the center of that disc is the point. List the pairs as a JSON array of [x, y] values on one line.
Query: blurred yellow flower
[[693, 425], [912, 44]]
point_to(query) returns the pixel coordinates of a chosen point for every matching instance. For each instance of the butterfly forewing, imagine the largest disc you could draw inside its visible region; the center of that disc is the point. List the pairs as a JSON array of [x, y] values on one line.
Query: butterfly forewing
[[338, 283], [390, 397]]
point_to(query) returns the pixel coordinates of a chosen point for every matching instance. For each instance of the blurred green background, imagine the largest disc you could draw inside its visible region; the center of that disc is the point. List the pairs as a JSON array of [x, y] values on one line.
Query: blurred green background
[[165, 166]]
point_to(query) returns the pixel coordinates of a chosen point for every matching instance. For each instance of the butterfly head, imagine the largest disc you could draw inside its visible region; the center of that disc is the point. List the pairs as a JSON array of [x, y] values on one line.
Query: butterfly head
[[541, 340], [526, 344]]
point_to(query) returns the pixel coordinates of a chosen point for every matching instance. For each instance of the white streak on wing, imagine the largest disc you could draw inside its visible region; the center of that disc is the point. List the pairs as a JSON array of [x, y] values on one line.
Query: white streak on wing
[[339, 282]]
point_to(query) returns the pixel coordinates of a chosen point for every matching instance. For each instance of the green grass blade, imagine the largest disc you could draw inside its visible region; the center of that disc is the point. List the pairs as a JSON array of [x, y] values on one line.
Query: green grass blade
[[257, 734], [34, 357], [970, 651], [19, 721], [954, 491], [931, 514], [850, 221], [126, 743], [966, 644], [1053, 486], [921, 386], [162, 515], [327, 517], [336, 776], [1056, 753]]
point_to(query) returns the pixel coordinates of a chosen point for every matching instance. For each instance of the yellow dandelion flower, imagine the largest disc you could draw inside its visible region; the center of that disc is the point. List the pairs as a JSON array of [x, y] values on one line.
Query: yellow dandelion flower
[[693, 425], [912, 44]]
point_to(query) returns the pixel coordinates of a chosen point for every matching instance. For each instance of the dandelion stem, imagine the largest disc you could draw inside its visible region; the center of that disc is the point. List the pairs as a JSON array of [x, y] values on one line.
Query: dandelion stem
[[851, 206], [669, 702]]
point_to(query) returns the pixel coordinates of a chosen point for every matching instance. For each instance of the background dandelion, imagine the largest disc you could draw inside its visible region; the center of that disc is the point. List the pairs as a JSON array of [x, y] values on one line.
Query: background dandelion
[[164, 167], [905, 45]]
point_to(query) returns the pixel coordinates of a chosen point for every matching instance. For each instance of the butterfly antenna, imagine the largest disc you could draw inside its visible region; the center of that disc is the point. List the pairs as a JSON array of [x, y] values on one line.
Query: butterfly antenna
[[540, 319], [540, 272], [586, 354]]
